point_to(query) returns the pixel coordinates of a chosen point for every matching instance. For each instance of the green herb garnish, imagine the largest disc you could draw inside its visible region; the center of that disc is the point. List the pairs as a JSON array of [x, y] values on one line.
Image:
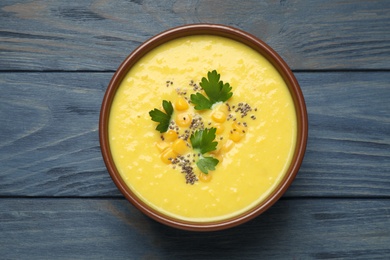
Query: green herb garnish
[[162, 118], [215, 89], [207, 163], [203, 141]]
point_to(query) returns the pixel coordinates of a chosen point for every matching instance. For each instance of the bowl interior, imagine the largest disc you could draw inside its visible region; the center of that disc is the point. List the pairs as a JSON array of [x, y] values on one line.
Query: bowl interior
[[257, 45]]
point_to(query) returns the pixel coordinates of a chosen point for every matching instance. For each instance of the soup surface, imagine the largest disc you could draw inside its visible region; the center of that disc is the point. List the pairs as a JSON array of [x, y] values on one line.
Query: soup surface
[[254, 148]]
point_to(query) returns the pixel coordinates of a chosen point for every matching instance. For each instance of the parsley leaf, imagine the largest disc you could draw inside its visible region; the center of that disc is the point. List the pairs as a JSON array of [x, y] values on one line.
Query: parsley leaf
[[207, 163], [200, 102], [215, 90], [203, 140], [162, 118]]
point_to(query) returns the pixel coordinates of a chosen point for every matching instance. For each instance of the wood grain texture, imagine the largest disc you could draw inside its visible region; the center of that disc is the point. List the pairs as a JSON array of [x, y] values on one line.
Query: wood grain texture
[[57, 200], [113, 229], [97, 35], [348, 152], [49, 135]]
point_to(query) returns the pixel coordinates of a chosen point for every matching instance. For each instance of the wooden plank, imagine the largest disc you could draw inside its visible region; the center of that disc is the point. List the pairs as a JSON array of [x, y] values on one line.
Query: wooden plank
[[98, 35], [348, 149], [49, 135], [113, 229]]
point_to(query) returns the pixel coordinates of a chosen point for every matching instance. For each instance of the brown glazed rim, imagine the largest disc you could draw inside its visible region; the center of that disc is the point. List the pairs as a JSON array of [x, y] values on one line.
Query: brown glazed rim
[[240, 36]]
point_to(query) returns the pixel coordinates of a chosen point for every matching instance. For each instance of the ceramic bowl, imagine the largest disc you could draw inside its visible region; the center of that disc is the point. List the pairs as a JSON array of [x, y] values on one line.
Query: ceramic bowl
[[237, 35]]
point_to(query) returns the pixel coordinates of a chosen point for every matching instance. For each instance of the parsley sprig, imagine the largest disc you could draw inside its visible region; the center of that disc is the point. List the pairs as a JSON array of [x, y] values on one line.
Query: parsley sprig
[[215, 89], [203, 141], [206, 164], [162, 118]]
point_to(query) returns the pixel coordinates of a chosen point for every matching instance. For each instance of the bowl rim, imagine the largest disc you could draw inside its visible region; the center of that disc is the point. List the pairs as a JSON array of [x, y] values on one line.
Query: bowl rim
[[234, 34]]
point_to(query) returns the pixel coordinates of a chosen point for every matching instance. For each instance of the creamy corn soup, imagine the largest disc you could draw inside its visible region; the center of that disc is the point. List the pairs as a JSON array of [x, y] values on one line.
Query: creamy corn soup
[[255, 129]]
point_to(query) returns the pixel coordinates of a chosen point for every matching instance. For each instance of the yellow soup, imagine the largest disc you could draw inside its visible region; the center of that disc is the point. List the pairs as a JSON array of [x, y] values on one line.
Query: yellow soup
[[255, 129]]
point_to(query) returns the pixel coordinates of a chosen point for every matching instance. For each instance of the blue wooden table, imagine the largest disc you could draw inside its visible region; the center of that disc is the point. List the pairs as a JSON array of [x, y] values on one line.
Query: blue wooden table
[[57, 200]]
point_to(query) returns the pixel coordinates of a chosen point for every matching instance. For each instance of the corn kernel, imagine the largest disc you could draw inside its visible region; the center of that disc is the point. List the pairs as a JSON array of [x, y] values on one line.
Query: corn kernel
[[216, 151], [220, 128], [181, 104], [167, 155], [239, 127], [219, 157], [218, 116], [161, 146], [180, 146], [183, 119], [203, 177], [236, 136], [170, 136], [227, 146]]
